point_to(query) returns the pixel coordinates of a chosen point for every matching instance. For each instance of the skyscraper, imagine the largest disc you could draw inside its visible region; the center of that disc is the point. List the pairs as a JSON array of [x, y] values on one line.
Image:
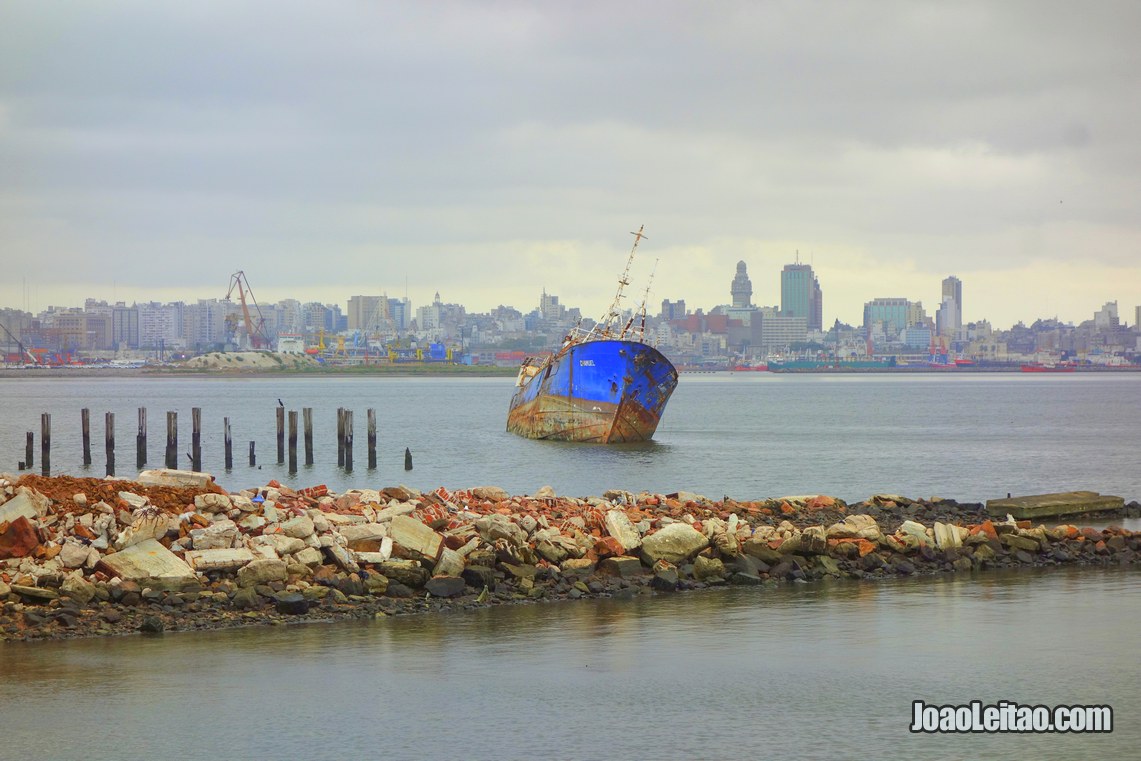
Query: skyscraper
[[800, 295], [950, 315], [742, 288]]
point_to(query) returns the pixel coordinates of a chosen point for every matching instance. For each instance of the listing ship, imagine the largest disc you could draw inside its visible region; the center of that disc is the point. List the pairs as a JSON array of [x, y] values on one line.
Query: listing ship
[[605, 385]]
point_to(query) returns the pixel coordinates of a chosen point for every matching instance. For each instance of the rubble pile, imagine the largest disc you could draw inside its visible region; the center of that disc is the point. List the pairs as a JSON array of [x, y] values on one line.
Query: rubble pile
[[173, 551]]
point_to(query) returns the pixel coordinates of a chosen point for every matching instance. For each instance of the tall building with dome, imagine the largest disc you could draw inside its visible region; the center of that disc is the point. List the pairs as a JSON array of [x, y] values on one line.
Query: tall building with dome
[[742, 288]]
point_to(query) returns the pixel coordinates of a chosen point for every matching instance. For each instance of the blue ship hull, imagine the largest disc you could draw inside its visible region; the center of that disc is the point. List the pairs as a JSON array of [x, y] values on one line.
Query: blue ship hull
[[605, 391]]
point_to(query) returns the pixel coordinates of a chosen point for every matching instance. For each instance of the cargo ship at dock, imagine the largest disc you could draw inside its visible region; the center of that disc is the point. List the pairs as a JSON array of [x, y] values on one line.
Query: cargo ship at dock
[[604, 385]]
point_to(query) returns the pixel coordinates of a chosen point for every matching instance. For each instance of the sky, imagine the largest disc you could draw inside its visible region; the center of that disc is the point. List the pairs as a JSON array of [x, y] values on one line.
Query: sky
[[489, 150]]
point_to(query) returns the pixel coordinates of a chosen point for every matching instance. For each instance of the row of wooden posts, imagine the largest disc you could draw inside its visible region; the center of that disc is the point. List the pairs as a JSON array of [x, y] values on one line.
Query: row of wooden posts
[[344, 440]]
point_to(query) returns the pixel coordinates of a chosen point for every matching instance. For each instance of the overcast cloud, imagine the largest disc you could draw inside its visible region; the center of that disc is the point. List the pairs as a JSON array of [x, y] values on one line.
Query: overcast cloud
[[489, 150]]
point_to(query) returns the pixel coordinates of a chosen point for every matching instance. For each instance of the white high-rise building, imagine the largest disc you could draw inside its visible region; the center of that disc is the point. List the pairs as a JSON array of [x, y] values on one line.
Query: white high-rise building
[[949, 317]]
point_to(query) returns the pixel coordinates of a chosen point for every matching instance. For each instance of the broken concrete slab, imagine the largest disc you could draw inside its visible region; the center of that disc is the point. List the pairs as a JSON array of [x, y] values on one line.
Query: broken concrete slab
[[618, 525], [19, 505], [416, 538], [177, 478], [146, 560], [1048, 505], [218, 559]]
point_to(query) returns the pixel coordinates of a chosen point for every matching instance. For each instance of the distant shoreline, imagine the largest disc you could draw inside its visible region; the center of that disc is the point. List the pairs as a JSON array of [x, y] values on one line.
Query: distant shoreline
[[437, 371]]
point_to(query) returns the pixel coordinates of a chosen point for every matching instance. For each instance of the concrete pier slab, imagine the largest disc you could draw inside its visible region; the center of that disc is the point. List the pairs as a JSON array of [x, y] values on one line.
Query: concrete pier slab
[[1049, 505]]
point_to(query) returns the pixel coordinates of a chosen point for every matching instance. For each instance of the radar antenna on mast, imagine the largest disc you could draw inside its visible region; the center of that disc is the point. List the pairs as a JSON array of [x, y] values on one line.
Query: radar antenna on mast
[[623, 281]]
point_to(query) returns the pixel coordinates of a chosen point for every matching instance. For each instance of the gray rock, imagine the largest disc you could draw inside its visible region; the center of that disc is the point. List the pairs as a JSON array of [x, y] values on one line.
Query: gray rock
[[623, 567], [78, 589], [152, 625], [665, 580], [705, 568], [246, 598], [261, 572], [34, 594], [406, 572], [73, 553], [298, 527], [490, 493], [343, 558], [618, 525], [674, 543], [479, 576], [445, 586], [213, 503], [291, 604]]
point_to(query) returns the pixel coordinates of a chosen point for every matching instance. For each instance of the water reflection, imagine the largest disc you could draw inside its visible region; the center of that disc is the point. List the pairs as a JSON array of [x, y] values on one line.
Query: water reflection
[[798, 670]]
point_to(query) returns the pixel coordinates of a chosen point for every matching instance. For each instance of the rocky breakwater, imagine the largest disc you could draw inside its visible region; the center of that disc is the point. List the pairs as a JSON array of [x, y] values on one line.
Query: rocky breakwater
[[172, 551]]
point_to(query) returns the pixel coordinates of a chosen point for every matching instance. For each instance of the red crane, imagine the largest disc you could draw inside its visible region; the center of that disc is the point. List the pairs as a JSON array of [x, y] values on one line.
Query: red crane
[[255, 329]]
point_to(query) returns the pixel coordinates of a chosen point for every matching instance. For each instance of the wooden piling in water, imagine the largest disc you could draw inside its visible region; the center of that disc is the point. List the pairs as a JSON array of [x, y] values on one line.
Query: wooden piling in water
[[340, 437], [85, 426], [141, 439], [196, 439], [253, 457], [407, 458], [307, 418], [371, 438], [293, 441], [227, 443], [280, 434], [109, 441], [172, 440], [349, 440], [30, 450], [45, 443]]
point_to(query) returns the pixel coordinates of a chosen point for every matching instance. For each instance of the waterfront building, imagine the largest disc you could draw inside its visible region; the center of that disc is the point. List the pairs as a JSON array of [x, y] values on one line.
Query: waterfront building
[[160, 325], [951, 308], [125, 326], [800, 295], [916, 337], [673, 310], [204, 323], [741, 288], [1106, 317], [779, 331], [289, 316], [365, 312], [550, 308], [892, 313], [400, 310]]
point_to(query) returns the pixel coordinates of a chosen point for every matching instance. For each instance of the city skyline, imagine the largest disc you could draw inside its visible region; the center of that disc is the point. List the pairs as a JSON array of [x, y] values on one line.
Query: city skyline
[[357, 307], [152, 151]]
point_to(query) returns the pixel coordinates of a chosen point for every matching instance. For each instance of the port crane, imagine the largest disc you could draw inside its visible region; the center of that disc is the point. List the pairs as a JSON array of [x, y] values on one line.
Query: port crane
[[24, 352], [255, 328]]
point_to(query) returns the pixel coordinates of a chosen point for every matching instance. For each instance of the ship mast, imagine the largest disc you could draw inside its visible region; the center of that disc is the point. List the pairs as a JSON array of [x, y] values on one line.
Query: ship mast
[[623, 281], [645, 298]]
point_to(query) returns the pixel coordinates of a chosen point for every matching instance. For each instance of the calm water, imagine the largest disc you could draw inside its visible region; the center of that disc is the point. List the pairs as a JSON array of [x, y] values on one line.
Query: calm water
[[802, 671], [744, 435]]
